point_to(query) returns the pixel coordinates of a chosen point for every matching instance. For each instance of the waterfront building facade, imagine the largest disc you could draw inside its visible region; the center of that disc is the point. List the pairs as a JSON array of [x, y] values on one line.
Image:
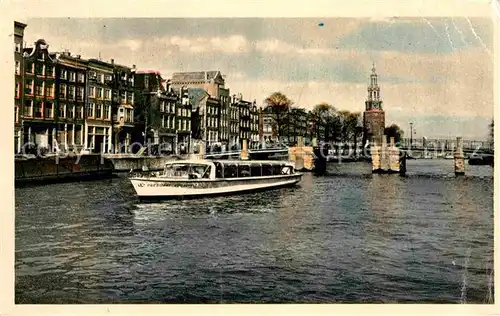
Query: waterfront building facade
[[374, 115], [184, 122], [225, 116], [18, 84], [234, 123], [98, 126], [296, 124], [70, 85], [122, 109], [39, 107], [149, 93], [254, 123]]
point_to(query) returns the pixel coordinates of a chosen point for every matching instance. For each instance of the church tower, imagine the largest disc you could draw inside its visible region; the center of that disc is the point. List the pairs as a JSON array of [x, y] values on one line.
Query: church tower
[[374, 115]]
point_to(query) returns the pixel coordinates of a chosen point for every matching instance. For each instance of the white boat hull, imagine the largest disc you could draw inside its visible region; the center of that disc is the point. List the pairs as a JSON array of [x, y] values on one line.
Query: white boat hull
[[167, 188]]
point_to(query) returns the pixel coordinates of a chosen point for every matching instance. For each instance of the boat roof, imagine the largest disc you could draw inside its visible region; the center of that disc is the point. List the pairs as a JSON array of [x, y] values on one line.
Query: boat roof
[[229, 162]]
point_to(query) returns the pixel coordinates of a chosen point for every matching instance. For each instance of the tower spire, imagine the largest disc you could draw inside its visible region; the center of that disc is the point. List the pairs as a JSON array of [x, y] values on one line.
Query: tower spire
[[373, 91]]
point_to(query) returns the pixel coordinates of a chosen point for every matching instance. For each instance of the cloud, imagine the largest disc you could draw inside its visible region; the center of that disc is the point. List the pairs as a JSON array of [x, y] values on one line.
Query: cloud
[[438, 68]]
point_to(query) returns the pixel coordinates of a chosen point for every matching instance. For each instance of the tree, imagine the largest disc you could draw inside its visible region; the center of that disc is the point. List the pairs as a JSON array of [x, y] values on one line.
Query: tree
[[323, 115], [394, 131], [278, 105]]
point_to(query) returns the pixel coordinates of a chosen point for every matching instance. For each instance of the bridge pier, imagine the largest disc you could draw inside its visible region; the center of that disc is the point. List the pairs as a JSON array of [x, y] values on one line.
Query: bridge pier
[[459, 158], [385, 159], [301, 155]]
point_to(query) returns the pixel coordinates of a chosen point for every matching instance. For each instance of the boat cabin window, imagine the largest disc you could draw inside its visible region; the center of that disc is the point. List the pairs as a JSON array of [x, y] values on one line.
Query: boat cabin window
[[223, 170], [230, 171], [190, 171], [244, 171], [256, 170]]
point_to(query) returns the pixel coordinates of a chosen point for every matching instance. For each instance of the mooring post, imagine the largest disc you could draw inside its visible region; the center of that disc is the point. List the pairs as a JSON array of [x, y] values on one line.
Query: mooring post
[[244, 150], [459, 158]]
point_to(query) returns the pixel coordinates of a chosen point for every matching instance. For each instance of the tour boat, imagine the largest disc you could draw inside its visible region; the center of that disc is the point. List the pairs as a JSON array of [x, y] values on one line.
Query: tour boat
[[196, 178]]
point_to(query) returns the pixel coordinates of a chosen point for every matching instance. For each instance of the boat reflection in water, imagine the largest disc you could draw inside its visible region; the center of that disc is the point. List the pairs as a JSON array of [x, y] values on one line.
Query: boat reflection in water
[[196, 178]]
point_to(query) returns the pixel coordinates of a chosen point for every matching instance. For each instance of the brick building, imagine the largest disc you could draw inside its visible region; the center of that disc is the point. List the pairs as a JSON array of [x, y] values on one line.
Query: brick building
[[39, 117], [71, 80], [98, 125], [122, 107], [19, 84]]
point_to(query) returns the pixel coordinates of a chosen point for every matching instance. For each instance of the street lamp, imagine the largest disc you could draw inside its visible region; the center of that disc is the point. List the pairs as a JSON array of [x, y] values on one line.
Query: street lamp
[[411, 134]]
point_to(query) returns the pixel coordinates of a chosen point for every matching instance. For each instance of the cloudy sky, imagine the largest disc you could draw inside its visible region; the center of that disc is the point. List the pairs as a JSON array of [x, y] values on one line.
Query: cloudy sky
[[434, 72]]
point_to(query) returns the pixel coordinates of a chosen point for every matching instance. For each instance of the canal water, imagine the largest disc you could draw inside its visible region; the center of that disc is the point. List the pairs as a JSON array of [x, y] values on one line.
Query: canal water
[[349, 236]]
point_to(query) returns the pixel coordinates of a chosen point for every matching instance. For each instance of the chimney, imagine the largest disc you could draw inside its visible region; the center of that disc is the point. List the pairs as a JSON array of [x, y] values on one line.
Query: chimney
[[78, 56], [112, 61], [133, 66]]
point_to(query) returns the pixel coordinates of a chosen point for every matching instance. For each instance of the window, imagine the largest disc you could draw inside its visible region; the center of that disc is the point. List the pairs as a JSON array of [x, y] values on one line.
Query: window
[[189, 125], [98, 111], [99, 93], [16, 114], [92, 75], [28, 107], [38, 109], [50, 90], [50, 70], [109, 78], [39, 69], [62, 110], [130, 98], [162, 106], [92, 92], [178, 112], [184, 125], [18, 87], [90, 109], [49, 110], [107, 94], [64, 74], [101, 78], [17, 47], [106, 112], [71, 111], [29, 67], [72, 76], [39, 88], [71, 93], [81, 77], [79, 93], [62, 91], [18, 67], [78, 112], [123, 95]]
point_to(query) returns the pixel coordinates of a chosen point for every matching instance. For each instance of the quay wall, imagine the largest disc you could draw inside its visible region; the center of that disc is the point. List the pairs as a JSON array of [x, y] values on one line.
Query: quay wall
[[57, 168]]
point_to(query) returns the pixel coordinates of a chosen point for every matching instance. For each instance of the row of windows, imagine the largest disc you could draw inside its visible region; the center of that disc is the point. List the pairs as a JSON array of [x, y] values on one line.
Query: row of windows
[[39, 69], [180, 125], [40, 89], [45, 110], [98, 111], [72, 76]]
